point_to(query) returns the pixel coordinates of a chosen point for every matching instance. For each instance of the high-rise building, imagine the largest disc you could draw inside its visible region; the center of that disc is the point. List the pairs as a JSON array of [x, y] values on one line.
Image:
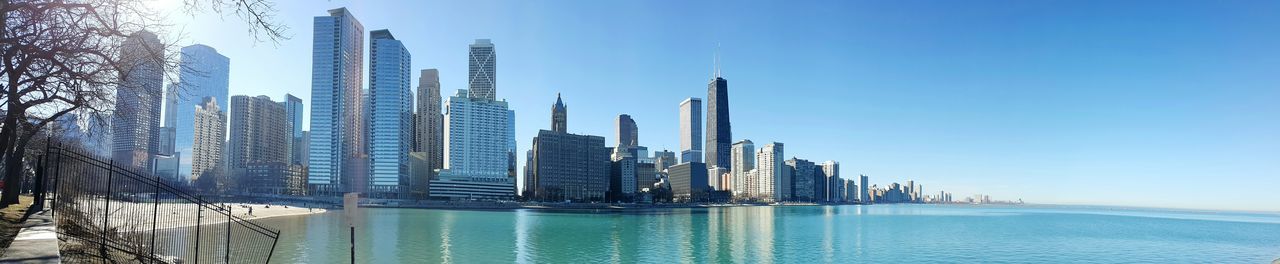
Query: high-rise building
[[565, 166], [559, 116], [772, 175], [209, 128], [627, 132], [622, 178], [136, 122], [204, 73], [664, 159], [691, 130], [864, 196], [258, 153], [831, 170], [482, 63], [337, 126], [743, 160], [429, 126], [568, 167], [719, 134], [478, 163], [391, 110], [803, 178], [688, 181], [293, 123]]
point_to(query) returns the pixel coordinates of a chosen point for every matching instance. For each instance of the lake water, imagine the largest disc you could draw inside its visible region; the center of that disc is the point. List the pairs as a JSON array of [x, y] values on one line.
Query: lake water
[[787, 234]]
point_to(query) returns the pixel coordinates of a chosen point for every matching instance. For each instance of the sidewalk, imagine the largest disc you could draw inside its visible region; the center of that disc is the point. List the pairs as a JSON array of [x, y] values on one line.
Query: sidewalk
[[37, 242]]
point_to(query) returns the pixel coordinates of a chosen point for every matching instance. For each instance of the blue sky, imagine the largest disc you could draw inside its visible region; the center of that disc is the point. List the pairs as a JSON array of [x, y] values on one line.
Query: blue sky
[[1141, 103]]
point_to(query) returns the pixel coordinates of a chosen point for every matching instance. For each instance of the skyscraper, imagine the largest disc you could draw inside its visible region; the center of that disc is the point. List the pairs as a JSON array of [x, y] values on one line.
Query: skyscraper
[[622, 178], [293, 123], [691, 130], [831, 169], [719, 135], [391, 112], [337, 130], [204, 73], [479, 141], [482, 63], [259, 133], [627, 132], [864, 197], [743, 156], [209, 128], [429, 127], [136, 121], [559, 116], [689, 181], [772, 178], [803, 178]]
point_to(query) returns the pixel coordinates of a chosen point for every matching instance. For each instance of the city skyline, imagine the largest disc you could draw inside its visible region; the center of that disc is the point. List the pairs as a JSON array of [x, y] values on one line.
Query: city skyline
[[1017, 156]]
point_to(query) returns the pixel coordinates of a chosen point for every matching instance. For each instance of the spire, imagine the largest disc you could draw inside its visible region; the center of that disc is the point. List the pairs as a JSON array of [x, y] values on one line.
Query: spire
[[559, 116], [717, 61]]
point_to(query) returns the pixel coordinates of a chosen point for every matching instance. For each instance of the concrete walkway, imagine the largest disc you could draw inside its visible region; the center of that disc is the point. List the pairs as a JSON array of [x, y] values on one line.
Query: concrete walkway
[[37, 242]]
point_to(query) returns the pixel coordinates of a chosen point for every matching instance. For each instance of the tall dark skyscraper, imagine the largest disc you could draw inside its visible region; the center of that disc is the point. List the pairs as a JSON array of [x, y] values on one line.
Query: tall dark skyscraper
[[719, 137], [628, 133], [559, 116], [136, 122]]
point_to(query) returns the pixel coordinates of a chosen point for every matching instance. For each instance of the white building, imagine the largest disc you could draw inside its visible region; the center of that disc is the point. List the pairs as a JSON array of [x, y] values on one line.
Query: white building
[[208, 130], [478, 138], [691, 130], [742, 160], [772, 176]]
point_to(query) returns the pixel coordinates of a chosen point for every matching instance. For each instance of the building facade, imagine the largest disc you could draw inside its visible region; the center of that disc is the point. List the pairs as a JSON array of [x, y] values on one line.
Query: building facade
[[391, 115], [293, 122], [743, 161], [336, 144], [626, 132], [568, 167], [204, 73], [773, 178], [209, 130], [831, 171], [691, 130], [478, 162], [135, 126], [719, 133], [689, 181], [802, 178], [482, 62], [429, 124]]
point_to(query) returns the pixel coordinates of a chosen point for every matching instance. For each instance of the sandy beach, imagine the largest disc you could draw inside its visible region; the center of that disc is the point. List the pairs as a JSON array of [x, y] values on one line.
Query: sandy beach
[[130, 215]]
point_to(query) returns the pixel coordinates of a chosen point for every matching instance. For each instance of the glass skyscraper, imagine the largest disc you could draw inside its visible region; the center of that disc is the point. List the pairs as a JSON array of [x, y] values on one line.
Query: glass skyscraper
[[204, 74], [293, 119], [391, 112], [691, 130], [337, 130]]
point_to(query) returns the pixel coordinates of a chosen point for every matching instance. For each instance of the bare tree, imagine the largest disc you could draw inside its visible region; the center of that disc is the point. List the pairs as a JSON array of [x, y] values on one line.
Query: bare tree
[[70, 56]]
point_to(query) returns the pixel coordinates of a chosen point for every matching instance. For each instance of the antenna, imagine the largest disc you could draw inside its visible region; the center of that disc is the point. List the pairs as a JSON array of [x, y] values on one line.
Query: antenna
[[717, 60]]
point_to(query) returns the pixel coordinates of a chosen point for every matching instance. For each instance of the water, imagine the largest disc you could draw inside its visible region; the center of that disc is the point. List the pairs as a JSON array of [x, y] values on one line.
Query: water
[[795, 234]]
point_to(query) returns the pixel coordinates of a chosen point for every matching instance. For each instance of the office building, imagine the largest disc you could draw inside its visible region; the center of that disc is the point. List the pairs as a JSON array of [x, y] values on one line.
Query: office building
[[622, 177], [719, 134], [482, 61], [429, 124], [626, 132], [293, 123], [664, 159], [831, 171], [864, 196], [204, 73], [691, 130], [136, 121], [688, 181], [391, 111], [336, 153]]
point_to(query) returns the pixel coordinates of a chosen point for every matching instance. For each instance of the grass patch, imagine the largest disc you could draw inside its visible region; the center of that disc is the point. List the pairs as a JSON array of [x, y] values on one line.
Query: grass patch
[[11, 219]]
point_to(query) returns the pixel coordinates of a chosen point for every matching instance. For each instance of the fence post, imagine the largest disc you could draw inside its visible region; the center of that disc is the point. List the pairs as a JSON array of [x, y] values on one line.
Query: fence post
[[199, 210], [155, 216], [38, 192], [227, 256], [106, 211], [58, 173]]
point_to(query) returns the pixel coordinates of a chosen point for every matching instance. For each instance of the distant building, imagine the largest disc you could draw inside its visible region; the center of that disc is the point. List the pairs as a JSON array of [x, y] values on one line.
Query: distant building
[[773, 178], [293, 118], [689, 181], [204, 73], [429, 122], [559, 116], [136, 120], [627, 132], [209, 130], [865, 197], [622, 177], [743, 160], [420, 174], [565, 166], [276, 178], [482, 62], [802, 173], [719, 134], [259, 137], [691, 130], [831, 170], [664, 159]]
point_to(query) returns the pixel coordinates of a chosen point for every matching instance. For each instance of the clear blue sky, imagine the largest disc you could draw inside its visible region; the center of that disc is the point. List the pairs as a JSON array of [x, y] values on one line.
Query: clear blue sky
[[1143, 103]]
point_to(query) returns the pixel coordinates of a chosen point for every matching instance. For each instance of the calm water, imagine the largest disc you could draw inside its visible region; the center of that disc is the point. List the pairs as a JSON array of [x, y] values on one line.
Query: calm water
[[801, 234]]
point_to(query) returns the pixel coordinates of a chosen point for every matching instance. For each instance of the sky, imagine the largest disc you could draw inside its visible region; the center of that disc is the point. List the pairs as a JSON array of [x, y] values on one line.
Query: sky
[[1131, 103]]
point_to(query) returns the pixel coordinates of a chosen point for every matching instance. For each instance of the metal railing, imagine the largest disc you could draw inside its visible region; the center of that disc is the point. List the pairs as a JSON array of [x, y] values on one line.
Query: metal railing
[[108, 213]]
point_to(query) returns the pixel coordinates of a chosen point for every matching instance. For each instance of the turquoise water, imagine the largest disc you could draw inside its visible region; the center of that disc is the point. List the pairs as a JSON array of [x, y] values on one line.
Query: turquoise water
[[792, 234]]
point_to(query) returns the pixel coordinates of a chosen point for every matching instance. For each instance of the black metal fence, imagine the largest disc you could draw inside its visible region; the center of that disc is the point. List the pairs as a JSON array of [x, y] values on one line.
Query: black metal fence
[[108, 212]]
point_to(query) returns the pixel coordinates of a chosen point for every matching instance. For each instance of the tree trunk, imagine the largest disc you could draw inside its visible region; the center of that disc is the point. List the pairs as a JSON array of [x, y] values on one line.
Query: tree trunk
[[12, 176]]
